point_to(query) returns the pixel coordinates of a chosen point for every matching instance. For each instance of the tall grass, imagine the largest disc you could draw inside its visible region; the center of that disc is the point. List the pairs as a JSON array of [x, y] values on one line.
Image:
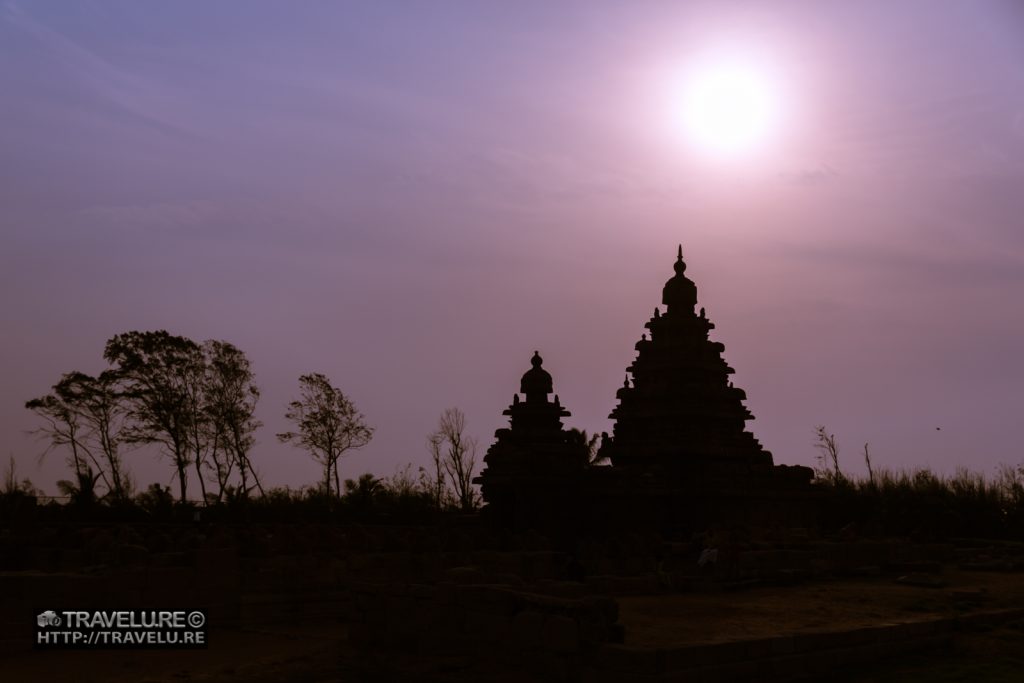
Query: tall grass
[[921, 503]]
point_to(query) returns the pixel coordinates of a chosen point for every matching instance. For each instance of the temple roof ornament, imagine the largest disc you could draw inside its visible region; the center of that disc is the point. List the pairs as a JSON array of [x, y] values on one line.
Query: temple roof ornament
[[537, 417], [536, 383], [679, 291]]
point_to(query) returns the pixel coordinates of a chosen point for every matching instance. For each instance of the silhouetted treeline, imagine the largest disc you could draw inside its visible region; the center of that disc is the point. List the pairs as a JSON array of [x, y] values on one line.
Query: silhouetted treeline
[[196, 402], [397, 499], [918, 504]]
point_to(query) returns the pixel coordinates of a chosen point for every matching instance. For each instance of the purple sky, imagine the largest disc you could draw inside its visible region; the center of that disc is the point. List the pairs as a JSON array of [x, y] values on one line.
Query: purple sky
[[412, 197]]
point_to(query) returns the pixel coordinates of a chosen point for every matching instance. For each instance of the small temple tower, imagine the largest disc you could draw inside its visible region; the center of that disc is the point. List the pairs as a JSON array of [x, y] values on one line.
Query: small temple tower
[[680, 406], [527, 468], [535, 420]]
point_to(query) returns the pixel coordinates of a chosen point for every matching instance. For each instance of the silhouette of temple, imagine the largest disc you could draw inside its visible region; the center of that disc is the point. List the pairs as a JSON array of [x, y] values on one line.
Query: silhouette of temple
[[681, 404], [536, 422], [680, 453], [535, 454]]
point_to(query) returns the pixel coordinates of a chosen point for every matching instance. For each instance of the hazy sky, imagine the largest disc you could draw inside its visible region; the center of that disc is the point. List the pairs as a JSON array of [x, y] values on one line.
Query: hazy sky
[[411, 197]]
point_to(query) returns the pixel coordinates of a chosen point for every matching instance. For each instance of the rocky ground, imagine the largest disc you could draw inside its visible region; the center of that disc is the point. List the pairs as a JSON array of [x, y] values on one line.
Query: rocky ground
[[321, 652], [287, 607]]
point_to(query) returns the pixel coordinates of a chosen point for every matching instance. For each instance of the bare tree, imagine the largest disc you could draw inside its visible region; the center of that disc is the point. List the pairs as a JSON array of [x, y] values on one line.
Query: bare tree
[[828, 455], [455, 451], [867, 461], [328, 425], [13, 487], [438, 485]]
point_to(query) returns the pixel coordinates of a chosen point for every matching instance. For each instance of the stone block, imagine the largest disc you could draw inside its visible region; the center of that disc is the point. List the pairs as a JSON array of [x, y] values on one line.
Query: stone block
[[128, 555], [686, 658], [922, 580], [785, 668], [821, 664], [464, 575], [594, 631], [861, 636], [814, 642], [526, 629], [607, 607], [821, 566], [423, 591], [918, 629], [628, 661], [758, 649], [489, 628], [727, 653], [546, 666], [972, 595], [673, 565], [71, 560], [735, 671], [634, 585], [560, 634], [491, 599], [216, 559], [599, 584]]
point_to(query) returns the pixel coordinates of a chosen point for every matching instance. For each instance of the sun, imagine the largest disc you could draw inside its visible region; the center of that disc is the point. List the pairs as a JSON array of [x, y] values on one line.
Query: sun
[[729, 108]]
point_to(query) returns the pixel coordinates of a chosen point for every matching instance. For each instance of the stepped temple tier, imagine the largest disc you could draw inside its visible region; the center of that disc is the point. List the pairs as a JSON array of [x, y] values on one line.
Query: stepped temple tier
[[535, 459], [681, 403], [681, 457]]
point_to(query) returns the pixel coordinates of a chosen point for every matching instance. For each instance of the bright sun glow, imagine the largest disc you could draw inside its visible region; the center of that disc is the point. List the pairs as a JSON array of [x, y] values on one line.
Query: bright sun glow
[[729, 108]]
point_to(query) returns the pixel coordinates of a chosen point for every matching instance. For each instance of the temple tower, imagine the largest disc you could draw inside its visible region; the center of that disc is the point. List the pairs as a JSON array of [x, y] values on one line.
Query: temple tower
[[680, 408], [529, 467], [536, 419]]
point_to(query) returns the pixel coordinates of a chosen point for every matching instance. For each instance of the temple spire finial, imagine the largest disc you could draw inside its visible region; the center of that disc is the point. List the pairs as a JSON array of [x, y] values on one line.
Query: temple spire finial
[[680, 265]]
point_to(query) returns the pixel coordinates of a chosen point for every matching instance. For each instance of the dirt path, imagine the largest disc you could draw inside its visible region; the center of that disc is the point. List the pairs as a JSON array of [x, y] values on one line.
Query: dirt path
[[284, 653], [320, 652], [693, 618]]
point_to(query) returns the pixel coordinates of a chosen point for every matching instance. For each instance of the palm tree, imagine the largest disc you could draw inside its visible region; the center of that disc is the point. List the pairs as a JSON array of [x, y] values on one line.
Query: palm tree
[[82, 491], [590, 443], [362, 491]]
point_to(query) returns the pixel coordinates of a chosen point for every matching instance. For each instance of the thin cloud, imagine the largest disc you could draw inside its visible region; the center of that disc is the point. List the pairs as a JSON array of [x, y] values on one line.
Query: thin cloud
[[809, 177], [133, 95]]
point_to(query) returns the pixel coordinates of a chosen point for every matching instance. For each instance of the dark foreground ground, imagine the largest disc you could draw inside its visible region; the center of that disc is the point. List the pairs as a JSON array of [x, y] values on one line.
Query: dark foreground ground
[[319, 655], [321, 651], [311, 605], [995, 655]]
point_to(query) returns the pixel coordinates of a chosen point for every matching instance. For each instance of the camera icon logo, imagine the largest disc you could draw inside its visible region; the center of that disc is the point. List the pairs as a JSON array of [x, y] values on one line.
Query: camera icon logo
[[48, 618]]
